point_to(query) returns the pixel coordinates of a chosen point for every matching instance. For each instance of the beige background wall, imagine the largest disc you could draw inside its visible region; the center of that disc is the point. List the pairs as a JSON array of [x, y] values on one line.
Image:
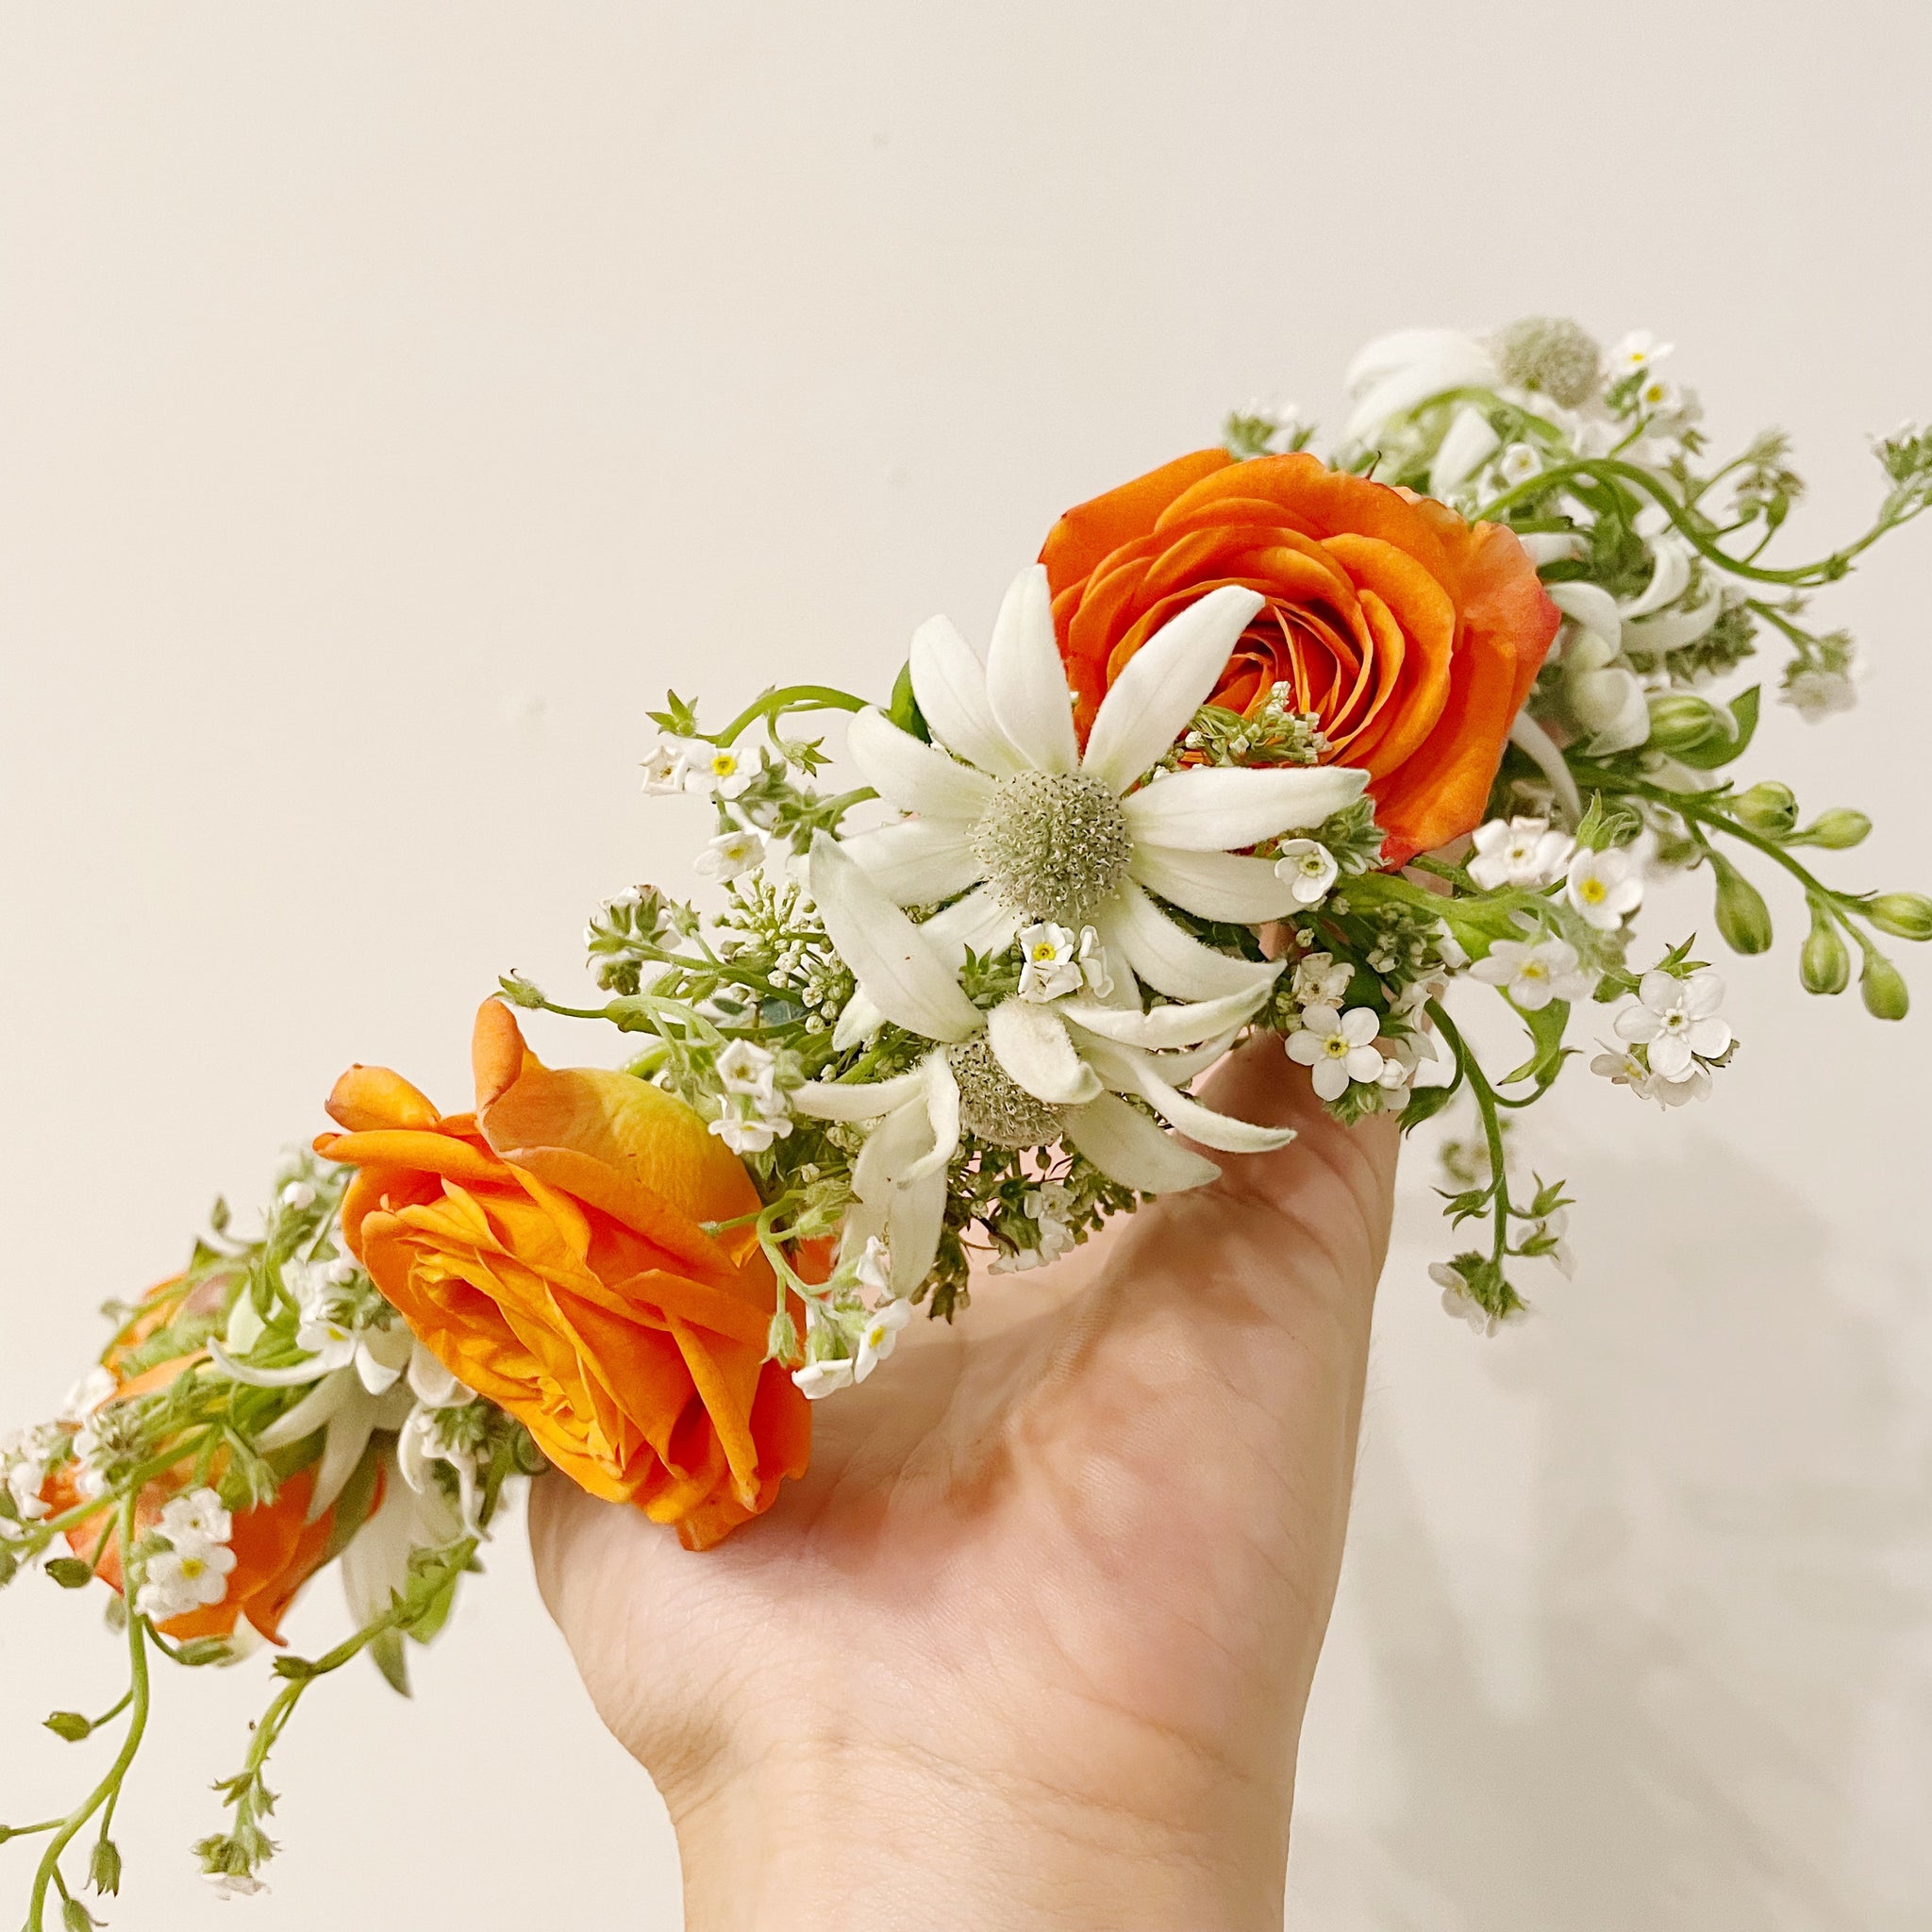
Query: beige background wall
[[394, 397]]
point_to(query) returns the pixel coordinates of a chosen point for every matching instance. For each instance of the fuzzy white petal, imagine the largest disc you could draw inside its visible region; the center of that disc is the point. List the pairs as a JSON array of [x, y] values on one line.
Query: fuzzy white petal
[[906, 978], [949, 681], [856, 1100], [1182, 1026], [1670, 575], [1025, 684], [1218, 1130], [917, 861], [978, 921], [348, 1436], [899, 1141], [312, 1412], [1126, 1146], [1170, 961], [913, 1225], [1468, 443], [1032, 1043], [1215, 885], [1527, 735], [915, 776], [860, 1019], [941, 1096], [1216, 809], [1593, 607], [1164, 683]]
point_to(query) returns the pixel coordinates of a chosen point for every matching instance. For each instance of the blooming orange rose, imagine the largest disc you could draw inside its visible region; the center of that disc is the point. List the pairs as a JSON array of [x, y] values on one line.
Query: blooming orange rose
[[276, 1548], [547, 1250], [1413, 635]]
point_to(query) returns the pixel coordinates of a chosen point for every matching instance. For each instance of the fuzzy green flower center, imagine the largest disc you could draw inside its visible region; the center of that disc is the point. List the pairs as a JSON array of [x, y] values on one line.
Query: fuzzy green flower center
[[993, 1105], [1552, 353], [1054, 846]]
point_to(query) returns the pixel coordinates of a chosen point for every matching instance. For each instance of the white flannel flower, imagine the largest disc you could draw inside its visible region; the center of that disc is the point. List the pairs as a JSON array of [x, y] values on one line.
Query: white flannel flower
[[189, 1578], [1050, 957], [1816, 695], [1395, 374], [298, 1196], [879, 1336], [1535, 971], [1638, 350], [1012, 814], [731, 853], [1519, 851], [1604, 887], [1321, 980], [1023, 1074], [816, 1380], [194, 1519], [1676, 1020], [1309, 868], [664, 766], [1339, 1047], [717, 770]]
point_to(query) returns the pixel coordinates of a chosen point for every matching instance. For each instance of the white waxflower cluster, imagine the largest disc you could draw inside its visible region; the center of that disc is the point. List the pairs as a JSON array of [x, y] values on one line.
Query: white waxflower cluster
[[1046, 1206], [187, 1559]]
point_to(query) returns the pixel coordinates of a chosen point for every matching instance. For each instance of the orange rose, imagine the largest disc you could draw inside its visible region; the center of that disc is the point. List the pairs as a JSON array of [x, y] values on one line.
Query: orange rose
[[276, 1548], [547, 1250], [1413, 635]]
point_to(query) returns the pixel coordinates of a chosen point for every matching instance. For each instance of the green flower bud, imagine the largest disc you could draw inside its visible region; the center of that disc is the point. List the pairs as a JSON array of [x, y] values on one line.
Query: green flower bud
[[1742, 916], [1903, 915], [104, 1867], [1681, 721], [1884, 988], [69, 1725], [1768, 807], [1837, 830], [781, 1339], [1825, 965]]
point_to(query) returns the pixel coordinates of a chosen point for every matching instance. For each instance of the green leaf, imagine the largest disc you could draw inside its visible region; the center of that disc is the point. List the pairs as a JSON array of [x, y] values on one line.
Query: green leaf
[[391, 1658], [1546, 1026], [904, 710], [1719, 750]]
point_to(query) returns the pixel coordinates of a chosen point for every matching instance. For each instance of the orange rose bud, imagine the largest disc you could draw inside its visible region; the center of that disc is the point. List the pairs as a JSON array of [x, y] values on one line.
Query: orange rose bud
[[547, 1249], [1413, 635]]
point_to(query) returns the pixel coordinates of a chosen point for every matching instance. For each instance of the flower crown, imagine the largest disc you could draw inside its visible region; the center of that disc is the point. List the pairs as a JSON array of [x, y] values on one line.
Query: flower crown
[[1262, 743]]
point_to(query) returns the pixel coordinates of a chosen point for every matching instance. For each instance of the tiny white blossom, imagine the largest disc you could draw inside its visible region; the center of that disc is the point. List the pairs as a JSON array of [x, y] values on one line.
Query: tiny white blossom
[[1307, 869], [1604, 887], [1449, 948], [1321, 980], [1638, 350], [93, 1389], [731, 853], [751, 1135], [1816, 695], [1534, 973], [1624, 1069], [817, 1380], [1519, 851], [1555, 1225], [1050, 957], [230, 1885], [196, 1518], [873, 1270], [1518, 464], [717, 770], [1338, 1048], [664, 766], [1676, 1021], [1095, 969], [176, 1581], [299, 1195], [746, 1068], [879, 1336]]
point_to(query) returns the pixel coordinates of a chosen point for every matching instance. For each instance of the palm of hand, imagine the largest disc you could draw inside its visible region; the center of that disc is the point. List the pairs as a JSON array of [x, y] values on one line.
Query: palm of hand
[[1085, 1541]]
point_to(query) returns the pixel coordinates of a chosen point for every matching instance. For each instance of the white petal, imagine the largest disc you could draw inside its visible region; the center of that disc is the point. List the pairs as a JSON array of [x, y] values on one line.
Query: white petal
[[1126, 1146], [1170, 961], [978, 921], [1025, 684], [860, 1019], [1397, 371], [1468, 443], [1670, 575], [907, 980], [856, 1100], [941, 1096], [949, 681], [1032, 1043], [348, 1436], [1527, 735], [1214, 885], [311, 1413], [337, 1354], [1593, 607], [913, 1224], [1218, 808], [433, 1385], [917, 861], [899, 1141], [1182, 1026], [1165, 682], [1202, 1124], [915, 776]]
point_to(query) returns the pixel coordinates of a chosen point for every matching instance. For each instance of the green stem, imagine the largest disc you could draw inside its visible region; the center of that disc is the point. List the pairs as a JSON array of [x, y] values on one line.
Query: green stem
[[790, 697], [1492, 1125], [103, 1793]]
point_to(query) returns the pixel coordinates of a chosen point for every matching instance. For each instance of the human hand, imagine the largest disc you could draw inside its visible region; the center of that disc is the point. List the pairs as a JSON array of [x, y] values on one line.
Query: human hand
[[1031, 1643]]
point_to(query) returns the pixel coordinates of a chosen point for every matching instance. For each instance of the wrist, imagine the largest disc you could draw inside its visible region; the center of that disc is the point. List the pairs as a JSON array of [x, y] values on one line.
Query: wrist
[[865, 1838]]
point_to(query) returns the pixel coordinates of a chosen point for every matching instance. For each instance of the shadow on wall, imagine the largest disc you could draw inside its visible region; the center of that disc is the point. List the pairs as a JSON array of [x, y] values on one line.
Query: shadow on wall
[[1637, 1626]]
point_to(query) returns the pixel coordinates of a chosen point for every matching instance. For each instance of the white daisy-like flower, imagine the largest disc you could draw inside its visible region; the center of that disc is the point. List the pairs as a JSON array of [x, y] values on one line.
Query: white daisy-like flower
[[717, 771], [189, 1578], [1675, 1020], [731, 853], [1604, 887], [1638, 350], [1339, 1047], [1023, 1074], [1519, 851], [745, 1067], [879, 1336], [1309, 868], [1050, 965], [1014, 816], [1535, 971]]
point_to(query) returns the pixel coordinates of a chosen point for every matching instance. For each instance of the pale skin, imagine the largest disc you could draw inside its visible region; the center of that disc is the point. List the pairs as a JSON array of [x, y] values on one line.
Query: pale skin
[[1031, 1644]]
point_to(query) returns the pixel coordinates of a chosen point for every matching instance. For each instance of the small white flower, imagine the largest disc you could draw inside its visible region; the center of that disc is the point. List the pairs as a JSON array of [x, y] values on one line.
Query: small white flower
[[1338, 1048], [1556, 1225], [195, 1519], [235, 1884], [1321, 981], [93, 1389], [817, 1380], [176, 1581], [1051, 963], [879, 1336], [1095, 969], [716, 769], [1518, 464], [664, 766], [1816, 695], [748, 1069], [24, 1458], [1676, 1021], [1519, 851], [749, 1135], [1621, 1068], [1457, 1301], [1638, 350], [1534, 973], [430, 1436], [873, 1270], [731, 853], [1309, 868], [1658, 396], [298, 1196], [1604, 887]]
